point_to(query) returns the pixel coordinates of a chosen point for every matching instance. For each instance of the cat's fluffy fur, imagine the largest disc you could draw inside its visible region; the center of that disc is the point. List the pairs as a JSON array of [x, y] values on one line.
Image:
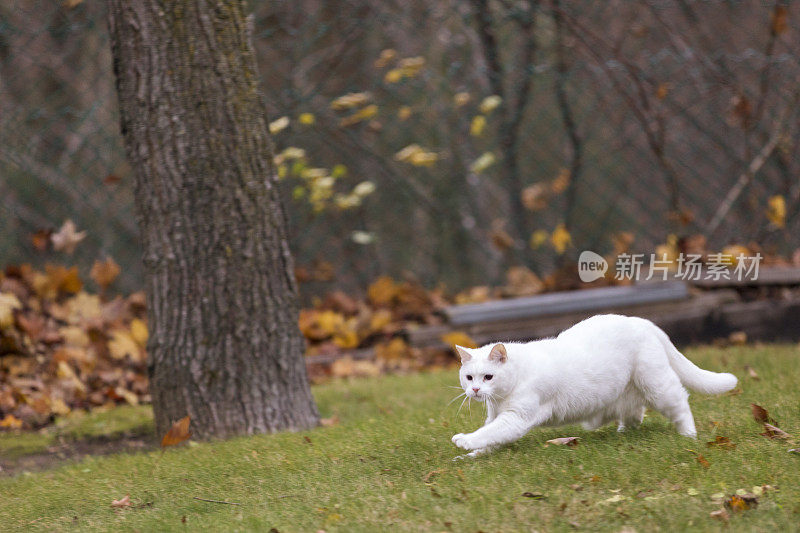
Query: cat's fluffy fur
[[606, 368]]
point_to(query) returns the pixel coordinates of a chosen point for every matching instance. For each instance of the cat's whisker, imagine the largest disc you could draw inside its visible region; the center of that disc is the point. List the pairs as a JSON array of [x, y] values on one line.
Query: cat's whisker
[[462, 403], [454, 399]]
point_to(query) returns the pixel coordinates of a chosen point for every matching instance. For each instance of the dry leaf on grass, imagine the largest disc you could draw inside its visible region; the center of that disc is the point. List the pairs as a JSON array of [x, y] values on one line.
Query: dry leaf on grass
[[760, 414], [122, 502], [703, 461], [564, 441], [774, 432], [178, 433], [721, 442], [737, 503], [751, 372]]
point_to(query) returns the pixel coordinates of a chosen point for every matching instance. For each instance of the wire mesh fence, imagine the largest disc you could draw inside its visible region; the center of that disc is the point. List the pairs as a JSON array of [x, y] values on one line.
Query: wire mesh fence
[[448, 140]]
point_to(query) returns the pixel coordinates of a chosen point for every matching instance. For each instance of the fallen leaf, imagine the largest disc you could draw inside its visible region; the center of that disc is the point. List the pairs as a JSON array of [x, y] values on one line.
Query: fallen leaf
[[8, 303], [737, 503], [751, 373], [459, 338], [122, 502], [760, 414], [721, 442], [774, 432], [10, 422], [104, 273], [178, 433], [703, 461], [534, 495], [67, 237], [566, 441]]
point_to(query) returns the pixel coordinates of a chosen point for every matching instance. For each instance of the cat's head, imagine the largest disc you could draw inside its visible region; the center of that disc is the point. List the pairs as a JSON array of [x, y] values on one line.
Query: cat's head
[[484, 371]]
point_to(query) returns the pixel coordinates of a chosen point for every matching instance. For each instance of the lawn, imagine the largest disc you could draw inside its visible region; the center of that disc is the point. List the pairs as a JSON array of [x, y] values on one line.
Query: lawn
[[386, 464]]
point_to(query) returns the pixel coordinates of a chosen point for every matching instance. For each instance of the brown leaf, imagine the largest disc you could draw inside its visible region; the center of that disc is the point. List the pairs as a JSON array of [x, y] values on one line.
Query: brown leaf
[[565, 441], [178, 433], [751, 373], [104, 273], [760, 414], [722, 442], [774, 432], [67, 237], [122, 502], [41, 239], [703, 461]]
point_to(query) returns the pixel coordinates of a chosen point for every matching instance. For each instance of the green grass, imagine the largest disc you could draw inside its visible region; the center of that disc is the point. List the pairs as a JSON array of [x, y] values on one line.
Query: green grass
[[79, 426], [387, 466]]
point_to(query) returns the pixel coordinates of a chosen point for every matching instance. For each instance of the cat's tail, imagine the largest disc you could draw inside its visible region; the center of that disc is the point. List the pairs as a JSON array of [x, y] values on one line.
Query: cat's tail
[[691, 375]]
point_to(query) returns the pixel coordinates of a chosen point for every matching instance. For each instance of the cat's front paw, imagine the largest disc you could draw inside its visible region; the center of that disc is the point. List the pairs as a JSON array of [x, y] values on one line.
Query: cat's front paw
[[463, 441]]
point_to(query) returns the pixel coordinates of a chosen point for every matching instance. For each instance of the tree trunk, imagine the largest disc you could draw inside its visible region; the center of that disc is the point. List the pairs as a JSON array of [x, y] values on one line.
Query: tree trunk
[[224, 343]]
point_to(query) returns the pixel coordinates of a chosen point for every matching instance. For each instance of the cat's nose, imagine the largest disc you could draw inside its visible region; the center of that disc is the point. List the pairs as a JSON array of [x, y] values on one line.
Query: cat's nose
[[476, 389]]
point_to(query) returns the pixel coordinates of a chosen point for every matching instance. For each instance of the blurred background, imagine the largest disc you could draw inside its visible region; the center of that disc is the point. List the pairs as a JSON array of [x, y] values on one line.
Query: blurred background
[[446, 141]]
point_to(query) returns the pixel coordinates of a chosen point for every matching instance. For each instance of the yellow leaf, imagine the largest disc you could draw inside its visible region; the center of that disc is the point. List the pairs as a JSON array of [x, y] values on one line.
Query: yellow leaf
[[380, 319], [8, 303], [11, 422], [362, 114], [560, 238], [351, 100], [74, 336], [276, 126], [306, 119], [776, 211], [385, 58], [459, 338], [477, 126], [383, 290], [139, 332], [83, 307], [178, 433], [394, 75], [395, 349], [416, 155], [490, 103], [538, 238], [122, 344], [404, 112], [486, 160], [461, 99], [330, 322]]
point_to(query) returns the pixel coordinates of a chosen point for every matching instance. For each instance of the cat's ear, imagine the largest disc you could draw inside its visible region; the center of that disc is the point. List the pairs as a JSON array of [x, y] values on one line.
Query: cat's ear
[[498, 354], [464, 354]]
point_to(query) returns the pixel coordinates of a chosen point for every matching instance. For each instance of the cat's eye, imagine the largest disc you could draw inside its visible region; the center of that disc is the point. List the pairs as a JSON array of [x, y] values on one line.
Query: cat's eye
[[488, 377], [469, 378]]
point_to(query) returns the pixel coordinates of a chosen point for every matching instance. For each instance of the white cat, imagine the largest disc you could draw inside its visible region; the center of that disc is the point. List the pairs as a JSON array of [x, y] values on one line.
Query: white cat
[[606, 368]]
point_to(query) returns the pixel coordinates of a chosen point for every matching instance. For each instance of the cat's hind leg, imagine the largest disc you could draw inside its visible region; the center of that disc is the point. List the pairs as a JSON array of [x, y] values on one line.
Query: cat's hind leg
[[631, 418], [668, 397]]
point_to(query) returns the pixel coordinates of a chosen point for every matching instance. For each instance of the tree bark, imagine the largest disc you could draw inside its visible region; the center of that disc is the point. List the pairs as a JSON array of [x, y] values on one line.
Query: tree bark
[[224, 343]]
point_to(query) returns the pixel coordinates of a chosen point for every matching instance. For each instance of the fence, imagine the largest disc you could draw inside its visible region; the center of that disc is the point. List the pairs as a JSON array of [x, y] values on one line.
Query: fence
[[473, 134]]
